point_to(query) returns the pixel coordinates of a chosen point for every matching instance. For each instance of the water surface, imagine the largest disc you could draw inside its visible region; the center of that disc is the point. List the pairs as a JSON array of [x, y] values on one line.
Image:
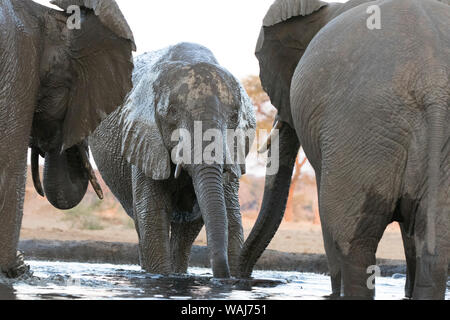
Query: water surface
[[61, 280]]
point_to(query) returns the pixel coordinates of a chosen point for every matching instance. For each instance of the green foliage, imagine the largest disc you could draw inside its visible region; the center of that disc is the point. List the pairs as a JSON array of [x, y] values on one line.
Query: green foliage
[[94, 214], [129, 223], [83, 216]]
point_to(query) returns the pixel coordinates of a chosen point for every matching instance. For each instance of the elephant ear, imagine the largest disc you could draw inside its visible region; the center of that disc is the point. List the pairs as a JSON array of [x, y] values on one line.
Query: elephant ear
[[248, 119], [279, 51], [283, 10], [107, 11], [101, 66], [247, 123], [142, 142]]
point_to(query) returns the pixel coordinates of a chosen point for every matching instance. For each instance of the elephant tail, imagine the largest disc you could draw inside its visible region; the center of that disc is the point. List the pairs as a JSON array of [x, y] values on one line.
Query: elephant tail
[[436, 107]]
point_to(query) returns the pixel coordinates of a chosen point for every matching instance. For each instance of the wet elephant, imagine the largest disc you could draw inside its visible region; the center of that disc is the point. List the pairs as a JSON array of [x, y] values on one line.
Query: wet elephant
[[57, 83], [371, 109], [178, 89]]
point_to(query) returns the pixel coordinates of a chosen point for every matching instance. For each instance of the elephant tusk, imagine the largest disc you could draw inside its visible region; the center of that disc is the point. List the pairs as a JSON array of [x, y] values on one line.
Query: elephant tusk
[[273, 134], [35, 172], [178, 171], [92, 178], [179, 162]]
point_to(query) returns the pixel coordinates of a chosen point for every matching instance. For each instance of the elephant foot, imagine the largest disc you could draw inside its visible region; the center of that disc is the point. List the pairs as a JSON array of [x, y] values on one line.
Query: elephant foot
[[165, 271], [19, 269], [224, 281], [333, 296]]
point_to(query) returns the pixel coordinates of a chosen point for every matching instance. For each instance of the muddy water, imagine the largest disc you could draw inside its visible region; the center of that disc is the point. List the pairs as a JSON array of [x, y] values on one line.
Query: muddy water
[[57, 280]]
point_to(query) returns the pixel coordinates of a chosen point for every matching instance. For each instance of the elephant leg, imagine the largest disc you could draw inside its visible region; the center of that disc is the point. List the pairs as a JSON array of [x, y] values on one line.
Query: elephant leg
[[235, 230], [19, 84], [431, 269], [431, 277], [152, 212], [12, 186], [357, 258], [334, 264], [355, 223], [183, 235], [13, 164], [410, 254]]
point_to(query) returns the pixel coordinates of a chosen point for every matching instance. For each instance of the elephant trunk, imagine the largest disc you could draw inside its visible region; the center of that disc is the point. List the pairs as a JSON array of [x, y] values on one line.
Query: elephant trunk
[[65, 178], [274, 202], [208, 185]]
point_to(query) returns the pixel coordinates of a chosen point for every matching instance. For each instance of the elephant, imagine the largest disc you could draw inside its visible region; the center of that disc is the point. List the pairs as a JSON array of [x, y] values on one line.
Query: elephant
[[57, 83], [137, 151], [370, 107]]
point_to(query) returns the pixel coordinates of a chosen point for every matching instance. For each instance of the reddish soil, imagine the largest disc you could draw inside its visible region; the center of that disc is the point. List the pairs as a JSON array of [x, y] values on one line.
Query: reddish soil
[[106, 221]]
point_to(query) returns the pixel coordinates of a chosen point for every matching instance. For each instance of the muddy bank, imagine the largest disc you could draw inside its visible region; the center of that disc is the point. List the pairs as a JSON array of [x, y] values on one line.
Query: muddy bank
[[127, 253]]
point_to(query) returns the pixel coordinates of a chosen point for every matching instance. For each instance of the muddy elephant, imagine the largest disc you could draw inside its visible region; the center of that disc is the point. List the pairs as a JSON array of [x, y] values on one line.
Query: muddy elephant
[[180, 94], [370, 106], [57, 83]]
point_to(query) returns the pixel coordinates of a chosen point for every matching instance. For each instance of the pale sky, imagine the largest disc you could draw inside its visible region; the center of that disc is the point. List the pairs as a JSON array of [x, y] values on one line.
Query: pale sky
[[229, 28]]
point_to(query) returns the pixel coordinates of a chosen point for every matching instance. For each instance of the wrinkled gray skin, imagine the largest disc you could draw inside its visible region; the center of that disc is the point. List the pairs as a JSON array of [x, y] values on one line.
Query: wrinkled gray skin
[[173, 88], [56, 85], [371, 109]]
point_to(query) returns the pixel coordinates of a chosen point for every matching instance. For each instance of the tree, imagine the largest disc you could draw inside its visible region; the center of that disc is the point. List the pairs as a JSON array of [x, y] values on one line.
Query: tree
[[316, 215], [265, 116], [252, 85], [265, 112]]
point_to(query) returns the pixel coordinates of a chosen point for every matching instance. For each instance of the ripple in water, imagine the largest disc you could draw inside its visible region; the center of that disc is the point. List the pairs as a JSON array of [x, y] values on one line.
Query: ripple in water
[[60, 280]]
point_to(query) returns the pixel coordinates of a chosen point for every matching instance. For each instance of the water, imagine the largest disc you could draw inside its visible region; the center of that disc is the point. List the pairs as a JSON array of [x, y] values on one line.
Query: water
[[58, 280]]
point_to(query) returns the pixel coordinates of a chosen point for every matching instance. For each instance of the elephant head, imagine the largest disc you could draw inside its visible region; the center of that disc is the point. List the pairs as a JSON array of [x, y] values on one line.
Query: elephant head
[[177, 99], [85, 74]]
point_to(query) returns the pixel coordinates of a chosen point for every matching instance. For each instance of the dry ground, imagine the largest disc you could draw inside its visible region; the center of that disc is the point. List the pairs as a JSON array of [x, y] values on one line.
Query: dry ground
[[300, 237], [106, 221]]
